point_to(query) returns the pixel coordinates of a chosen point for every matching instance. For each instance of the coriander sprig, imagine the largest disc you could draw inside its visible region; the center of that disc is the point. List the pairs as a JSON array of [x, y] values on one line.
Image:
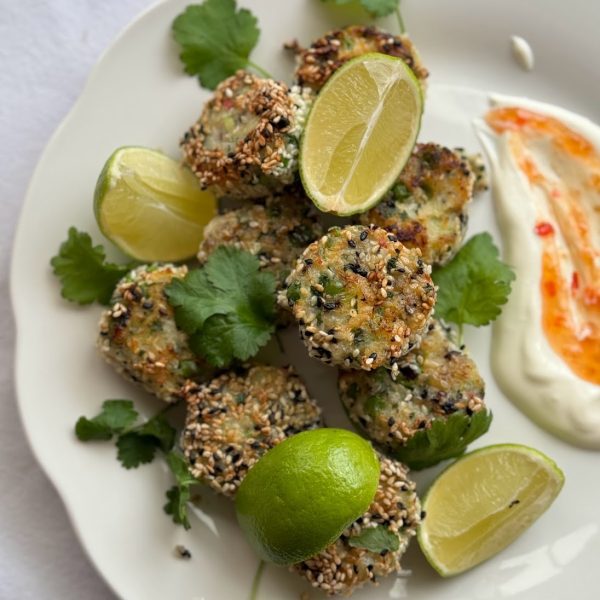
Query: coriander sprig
[[474, 285], [227, 307], [216, 40], [84, 273], [137, 444]]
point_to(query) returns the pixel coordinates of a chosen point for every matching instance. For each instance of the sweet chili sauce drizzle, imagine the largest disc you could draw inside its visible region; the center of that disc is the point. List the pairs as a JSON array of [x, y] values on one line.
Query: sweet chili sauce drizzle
[[570, 296]]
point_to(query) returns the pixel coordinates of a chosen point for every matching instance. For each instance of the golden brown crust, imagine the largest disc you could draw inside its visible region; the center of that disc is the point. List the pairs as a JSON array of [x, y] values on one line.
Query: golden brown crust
[[427, 207], [245, 142], [343, 568], [237, 417], [317, 63], [360, 297]]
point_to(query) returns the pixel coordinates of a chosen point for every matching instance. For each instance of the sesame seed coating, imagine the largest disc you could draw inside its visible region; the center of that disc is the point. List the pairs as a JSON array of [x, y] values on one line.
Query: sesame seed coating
[[245, 143], [316, 64], [427, 206], [342, 568], [236, 418], [276, 232], [138, 335], [360, 297], [432, 382]]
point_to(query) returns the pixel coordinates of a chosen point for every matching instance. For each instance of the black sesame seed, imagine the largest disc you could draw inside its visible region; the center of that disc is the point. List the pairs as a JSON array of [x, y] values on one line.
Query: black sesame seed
[[352, 243], [363, 235]]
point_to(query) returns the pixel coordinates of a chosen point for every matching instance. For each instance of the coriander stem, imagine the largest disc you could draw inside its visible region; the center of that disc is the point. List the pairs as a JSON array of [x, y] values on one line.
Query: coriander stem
[[460, 335], [400, 19], [260, 69], [256, 580]]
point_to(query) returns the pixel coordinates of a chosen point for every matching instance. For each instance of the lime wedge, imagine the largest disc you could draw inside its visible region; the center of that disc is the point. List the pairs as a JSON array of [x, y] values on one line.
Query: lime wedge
[[150, 206], [483, 502], [360, 133]]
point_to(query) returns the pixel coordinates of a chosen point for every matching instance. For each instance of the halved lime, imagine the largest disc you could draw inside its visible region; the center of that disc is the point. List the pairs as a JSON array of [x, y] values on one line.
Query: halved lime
[[301, 495], [150, 206], [360, 133], [483, 502]]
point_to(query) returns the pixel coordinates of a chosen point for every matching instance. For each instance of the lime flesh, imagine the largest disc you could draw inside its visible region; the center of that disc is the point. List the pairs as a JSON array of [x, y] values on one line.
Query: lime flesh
[[483, 502], [359, 133], [150, 206], [301, 495]]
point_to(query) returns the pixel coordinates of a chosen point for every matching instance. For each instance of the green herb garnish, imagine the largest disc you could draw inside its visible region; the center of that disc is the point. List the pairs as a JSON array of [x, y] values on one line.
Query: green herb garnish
[[179, 495], [216, 40], [84, 273], [446, 438], [474, 285], [227, 308], [376, 539]]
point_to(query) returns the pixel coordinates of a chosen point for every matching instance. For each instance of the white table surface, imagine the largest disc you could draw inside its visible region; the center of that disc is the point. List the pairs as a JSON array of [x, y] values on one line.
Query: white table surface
[[47, 48]]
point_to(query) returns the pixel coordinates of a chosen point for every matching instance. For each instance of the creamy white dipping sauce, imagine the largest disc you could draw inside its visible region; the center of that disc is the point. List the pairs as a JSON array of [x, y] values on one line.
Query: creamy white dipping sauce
[[524, 364]]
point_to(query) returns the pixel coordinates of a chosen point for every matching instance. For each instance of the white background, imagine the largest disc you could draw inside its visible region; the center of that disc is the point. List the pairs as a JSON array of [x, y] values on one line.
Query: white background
[[47, 48]]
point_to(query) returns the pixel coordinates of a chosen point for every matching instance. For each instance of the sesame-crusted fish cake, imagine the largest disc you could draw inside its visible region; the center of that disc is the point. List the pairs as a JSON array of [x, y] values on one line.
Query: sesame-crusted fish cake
[[276, 232], [434, 381], [477, 165], [342, 568], [237, 417], [427, 206], [245, 143], [138, 335], [317, 63], [360, 297]]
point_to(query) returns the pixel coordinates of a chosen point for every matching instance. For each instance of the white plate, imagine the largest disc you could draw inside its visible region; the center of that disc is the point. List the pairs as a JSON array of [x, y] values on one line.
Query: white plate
[[138, 95]]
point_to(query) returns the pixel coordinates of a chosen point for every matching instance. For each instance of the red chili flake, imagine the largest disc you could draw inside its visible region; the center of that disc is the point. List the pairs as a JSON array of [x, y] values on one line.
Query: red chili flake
[[575, 281], [550, 288], [543, 228]]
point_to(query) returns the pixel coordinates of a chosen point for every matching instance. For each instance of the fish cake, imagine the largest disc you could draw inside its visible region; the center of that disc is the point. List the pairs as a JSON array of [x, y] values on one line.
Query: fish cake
[[427, 208], [361, 299]]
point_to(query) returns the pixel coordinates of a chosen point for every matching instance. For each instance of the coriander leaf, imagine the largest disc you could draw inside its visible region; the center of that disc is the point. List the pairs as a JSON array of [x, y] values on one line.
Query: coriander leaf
[[227, 307], [139, 445], [180, 470], [159, 429], [446, 438], [376, 8], [135, 450], [225, 338], [83, 271], [215, 39], [115, 416], [474, 285], [194, 300], [179, 495], [376, 539], [176, 506]]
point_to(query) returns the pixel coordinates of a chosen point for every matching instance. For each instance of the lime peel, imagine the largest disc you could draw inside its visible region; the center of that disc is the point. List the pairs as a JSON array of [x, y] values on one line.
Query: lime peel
[[301, 495]]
